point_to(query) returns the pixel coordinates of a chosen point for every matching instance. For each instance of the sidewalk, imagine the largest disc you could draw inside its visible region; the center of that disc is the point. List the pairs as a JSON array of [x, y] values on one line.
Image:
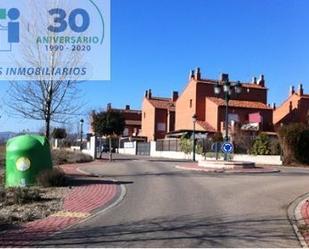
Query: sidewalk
[[304, 209], [194, 167], [298, 212], [81, 202]]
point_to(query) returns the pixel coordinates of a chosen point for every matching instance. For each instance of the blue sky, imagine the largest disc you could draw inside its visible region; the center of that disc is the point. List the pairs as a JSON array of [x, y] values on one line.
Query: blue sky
[[155, 43]]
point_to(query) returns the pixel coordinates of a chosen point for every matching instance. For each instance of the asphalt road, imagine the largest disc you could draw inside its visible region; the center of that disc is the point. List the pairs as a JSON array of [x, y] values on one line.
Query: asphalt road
[[167, 207]]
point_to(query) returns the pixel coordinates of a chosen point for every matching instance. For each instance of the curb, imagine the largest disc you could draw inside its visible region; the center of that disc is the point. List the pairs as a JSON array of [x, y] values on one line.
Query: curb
[[227, 171], [295, 217], [119, 194], [113, 203], [86, 173]]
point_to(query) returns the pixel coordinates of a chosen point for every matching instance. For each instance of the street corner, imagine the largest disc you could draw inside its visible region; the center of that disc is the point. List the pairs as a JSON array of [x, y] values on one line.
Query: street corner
[[193, 166], [298, 213], [80, 203]]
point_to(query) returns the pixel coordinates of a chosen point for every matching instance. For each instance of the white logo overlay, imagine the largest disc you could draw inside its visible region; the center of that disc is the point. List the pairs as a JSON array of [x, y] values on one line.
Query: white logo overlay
[[55, 40]]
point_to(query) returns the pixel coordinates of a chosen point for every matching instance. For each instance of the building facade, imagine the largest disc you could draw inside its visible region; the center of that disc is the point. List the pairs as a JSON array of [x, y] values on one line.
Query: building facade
[[294, 109], [248, 107], [133, 120], [158, 116]]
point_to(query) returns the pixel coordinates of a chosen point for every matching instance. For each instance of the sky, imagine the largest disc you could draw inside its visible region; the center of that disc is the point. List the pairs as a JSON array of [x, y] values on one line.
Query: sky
[[155, 43]]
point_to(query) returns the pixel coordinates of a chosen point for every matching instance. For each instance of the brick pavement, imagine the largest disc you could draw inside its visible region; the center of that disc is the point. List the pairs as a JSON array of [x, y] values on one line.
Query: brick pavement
[[79, 203], [304, 210]]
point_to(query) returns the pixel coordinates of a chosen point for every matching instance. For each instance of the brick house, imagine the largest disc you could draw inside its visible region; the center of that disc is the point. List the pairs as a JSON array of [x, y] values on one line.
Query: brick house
[[248, 109], [133, 122], [158, 115], [294, 109]]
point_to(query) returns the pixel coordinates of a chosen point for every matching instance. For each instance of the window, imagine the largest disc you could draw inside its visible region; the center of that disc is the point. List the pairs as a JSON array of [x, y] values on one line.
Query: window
[[161, 127], [190, 103], [144, 114]]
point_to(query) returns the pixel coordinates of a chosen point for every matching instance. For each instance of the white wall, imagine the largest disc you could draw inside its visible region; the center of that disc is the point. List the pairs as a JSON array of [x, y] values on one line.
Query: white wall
[[269, 160], [90, 150], [129, 148]]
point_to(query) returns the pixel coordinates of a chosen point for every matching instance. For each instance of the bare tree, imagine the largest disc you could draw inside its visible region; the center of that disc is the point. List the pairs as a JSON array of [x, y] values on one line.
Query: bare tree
[[52, 100]]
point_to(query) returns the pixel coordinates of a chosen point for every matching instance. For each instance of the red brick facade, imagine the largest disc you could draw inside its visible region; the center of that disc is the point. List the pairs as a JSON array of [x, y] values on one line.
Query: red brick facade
[[158, 116], [294, 109], [199, 98], [166, 116], [133, 123]]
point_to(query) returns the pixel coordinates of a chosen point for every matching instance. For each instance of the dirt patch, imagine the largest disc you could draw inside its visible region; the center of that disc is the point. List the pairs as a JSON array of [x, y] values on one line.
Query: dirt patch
[[51, 201]]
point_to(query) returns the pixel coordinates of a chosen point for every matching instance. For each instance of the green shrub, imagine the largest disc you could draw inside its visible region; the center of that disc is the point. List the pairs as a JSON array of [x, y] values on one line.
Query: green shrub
[[52, 178], [199, 149], [261, 145], [294, 140], [186, 145]]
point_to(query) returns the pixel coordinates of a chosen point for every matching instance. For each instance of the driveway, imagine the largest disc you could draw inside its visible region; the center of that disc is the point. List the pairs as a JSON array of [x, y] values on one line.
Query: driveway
[[168, 207]]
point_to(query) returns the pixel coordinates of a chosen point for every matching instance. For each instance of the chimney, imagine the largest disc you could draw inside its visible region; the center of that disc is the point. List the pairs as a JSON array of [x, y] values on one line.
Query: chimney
[[290, 106], [175, 96], [109, 106], [292, 90], [198, 73], [191, 75], [149, 94], [300, 90], [261, 81], [146, 94], [224, 77], [254, 80], [127, 107], [274, 106]]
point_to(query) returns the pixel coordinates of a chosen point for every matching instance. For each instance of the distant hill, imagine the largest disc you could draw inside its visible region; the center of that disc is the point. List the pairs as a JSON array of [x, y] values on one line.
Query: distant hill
[[6, 135]]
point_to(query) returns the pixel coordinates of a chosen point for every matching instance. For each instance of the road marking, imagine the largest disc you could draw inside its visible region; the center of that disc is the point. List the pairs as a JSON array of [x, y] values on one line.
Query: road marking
[[71, 214]]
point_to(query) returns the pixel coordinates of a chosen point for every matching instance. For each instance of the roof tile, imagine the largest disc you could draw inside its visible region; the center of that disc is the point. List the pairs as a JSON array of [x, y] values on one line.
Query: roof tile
[[240, 103], [206, 126], [162, 103]]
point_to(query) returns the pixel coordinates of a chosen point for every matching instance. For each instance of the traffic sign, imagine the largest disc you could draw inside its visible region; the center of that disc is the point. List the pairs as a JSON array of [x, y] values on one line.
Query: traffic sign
[[227, 147]]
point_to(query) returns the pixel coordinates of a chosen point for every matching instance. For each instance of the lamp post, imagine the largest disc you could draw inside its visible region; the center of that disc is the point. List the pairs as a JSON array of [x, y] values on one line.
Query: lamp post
[[193, 136], [81, 122], [228, 89]]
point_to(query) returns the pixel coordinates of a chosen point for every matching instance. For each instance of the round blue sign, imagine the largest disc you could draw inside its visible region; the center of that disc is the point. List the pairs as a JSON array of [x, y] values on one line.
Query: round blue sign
[[227, 147]]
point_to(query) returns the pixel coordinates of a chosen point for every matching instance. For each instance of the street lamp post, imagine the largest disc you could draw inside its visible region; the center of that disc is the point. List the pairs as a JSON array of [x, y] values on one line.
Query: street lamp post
[[193, 136], [81, 134], [228, 88]]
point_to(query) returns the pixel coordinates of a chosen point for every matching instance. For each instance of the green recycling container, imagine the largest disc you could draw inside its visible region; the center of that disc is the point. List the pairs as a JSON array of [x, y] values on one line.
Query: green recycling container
[[26, 157]]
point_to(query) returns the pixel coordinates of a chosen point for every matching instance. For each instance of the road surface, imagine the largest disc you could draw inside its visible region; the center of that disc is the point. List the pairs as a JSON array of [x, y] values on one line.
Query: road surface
[[168, 207]]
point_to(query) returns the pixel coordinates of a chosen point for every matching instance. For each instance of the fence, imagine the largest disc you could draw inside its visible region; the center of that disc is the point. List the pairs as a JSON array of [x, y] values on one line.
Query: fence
[[168, 145]]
